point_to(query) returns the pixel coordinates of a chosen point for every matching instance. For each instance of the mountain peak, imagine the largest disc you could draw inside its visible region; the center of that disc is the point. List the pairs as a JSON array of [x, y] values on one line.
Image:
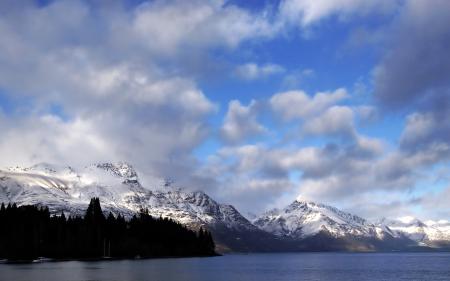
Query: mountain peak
[[409, 220], [423, 232], [63, 188], [303, 203], [43, 168], [117, 186], [120, 169], [302, 219]]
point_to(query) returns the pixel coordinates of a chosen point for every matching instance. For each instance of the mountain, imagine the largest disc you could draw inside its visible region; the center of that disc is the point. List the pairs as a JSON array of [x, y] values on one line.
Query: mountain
[[322, 227], [303, 219], [66, 189], [429, 233], [63, 188], [301, 226]]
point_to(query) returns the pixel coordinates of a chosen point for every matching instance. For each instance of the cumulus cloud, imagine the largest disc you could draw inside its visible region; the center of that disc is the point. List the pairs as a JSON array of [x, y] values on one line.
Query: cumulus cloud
[[336, 120], [294, 79], [427, 138], [366, 114], [180, 24], [314, 163], [49, 139], [241, 122], [332, 172], [318, 162], [143, 117], [253, 71], [308, 12], [297, 104], [418, 127], [416, 67], [249, 176], [350, 173], [364, 169], [413, 76], [436, 204], [124, 84], [117, 101]]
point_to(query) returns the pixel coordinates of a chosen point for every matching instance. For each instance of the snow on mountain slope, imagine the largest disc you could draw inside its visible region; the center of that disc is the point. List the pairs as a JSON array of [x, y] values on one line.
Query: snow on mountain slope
[[119, 189], [442, 230], [193, 208], [65, 189], [304, 219], [425, 233]]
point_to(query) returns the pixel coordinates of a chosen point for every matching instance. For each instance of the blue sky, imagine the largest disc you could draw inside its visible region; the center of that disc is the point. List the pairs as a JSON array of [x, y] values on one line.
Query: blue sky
[[258, 103]]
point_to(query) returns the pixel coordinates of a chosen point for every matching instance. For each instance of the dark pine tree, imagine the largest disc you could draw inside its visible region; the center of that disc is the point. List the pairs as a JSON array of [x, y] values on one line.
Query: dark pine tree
[[29, 232]]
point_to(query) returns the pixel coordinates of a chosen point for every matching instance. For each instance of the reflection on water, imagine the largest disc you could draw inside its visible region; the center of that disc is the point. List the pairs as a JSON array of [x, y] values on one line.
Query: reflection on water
[[257, 267]]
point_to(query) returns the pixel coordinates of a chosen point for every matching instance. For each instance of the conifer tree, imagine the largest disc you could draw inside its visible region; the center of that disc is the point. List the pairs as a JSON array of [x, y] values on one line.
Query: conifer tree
[[30, 231]]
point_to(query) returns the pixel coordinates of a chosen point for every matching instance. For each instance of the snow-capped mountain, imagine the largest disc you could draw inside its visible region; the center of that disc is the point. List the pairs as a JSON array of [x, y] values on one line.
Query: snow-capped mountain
[[428, 233], [304, 219], [67, 189], [309, 221], [300, 226]]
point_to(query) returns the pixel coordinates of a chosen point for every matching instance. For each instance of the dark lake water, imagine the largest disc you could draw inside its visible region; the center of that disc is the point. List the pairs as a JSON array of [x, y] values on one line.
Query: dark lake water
[[257, 267]]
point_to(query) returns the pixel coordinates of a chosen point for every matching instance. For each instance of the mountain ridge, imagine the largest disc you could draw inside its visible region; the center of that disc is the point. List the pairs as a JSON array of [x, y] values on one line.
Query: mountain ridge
[[68, 190], [302, 225], [302, 219]]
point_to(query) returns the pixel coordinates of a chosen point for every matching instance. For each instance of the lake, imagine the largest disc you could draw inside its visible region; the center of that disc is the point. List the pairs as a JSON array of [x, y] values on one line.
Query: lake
[[253, 267]]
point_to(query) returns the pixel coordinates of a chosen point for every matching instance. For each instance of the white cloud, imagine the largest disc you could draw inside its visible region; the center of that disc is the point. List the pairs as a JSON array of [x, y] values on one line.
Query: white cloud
[[400, 79], [436, 204], [246, 177], [123, 79], [246, 157], [351, 173], [366, 113], [241, 122], [297, 104], [294, 79], [336, 120], [168, 27], [118, 102], [49, 139], [308, 12], [253, 71], [418, 126]]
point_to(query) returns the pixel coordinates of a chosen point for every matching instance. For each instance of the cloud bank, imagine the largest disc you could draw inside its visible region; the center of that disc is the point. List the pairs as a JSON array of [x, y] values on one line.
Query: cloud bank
[[83, 82]]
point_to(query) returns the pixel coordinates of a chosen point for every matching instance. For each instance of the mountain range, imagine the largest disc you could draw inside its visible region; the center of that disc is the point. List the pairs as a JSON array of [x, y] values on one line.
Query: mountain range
[[301, 226]]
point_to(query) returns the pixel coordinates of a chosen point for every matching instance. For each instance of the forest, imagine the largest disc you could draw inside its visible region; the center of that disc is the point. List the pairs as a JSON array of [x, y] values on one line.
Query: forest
[[30, 232]]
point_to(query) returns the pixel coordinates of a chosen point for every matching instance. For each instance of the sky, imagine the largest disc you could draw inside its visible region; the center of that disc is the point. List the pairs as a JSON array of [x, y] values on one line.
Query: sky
[[344, 102]]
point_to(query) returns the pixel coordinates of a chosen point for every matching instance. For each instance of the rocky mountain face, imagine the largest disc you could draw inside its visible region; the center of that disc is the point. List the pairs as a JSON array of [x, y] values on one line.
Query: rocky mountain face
[[332, 229], [322, 227], [303, 219], [299, 226], [68, 190], [428, 233]]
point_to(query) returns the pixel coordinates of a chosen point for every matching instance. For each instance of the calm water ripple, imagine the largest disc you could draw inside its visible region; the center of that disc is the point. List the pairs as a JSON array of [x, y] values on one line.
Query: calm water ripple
[[254, 267]]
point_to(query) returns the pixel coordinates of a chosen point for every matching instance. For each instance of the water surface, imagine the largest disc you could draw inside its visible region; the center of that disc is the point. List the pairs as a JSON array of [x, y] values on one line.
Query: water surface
[[254, 267]]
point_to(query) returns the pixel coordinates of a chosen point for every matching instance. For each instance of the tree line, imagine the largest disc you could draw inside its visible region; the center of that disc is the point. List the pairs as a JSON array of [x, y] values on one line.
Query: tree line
[[29, 232]]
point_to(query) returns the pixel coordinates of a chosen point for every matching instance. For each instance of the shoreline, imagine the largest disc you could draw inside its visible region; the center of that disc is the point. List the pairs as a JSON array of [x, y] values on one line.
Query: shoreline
[[55, 260]]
